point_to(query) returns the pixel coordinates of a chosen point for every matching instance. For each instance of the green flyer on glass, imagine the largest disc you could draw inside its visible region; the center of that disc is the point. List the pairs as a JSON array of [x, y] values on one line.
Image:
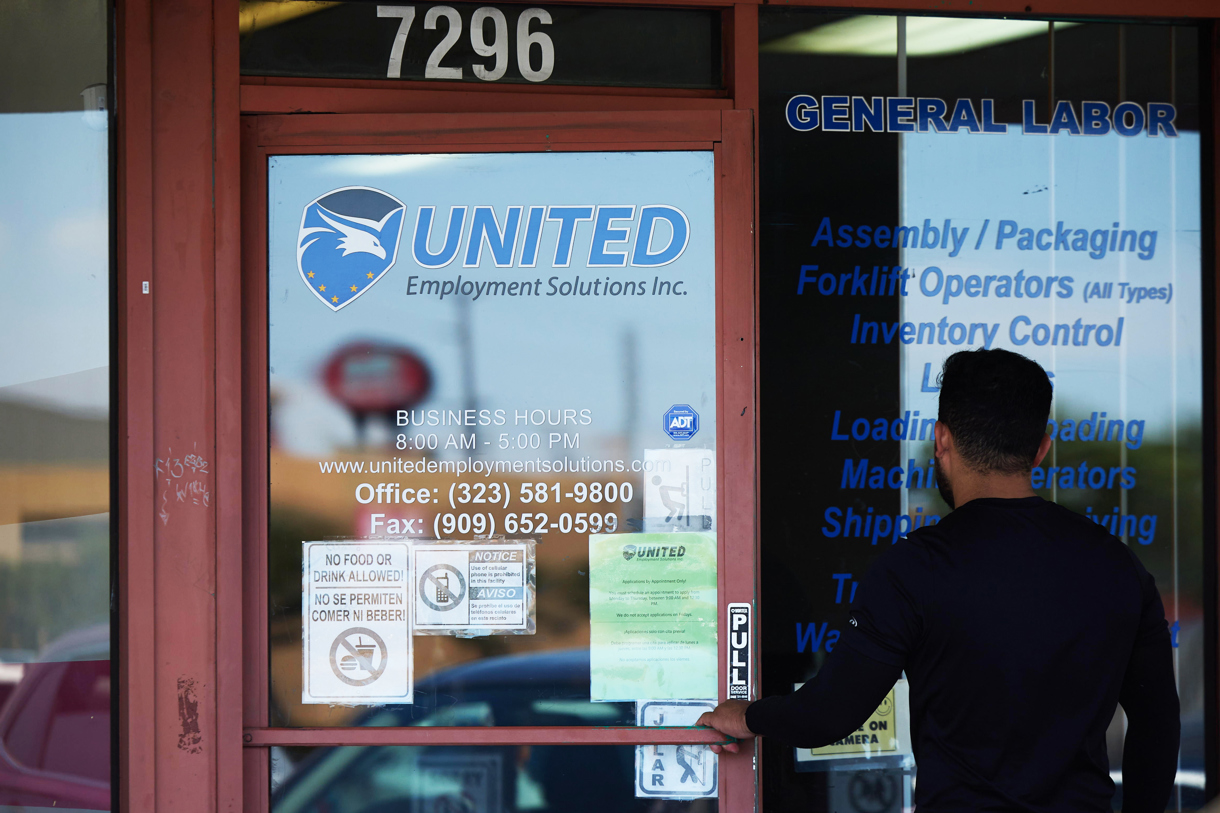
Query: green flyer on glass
[[652, 605]]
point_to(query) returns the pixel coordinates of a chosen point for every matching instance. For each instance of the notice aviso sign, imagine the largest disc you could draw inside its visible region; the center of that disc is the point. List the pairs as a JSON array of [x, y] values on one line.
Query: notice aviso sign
[[471, 589]]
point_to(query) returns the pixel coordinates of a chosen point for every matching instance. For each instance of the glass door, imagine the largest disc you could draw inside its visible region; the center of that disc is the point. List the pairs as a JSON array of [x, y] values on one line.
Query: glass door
[[505, 492]]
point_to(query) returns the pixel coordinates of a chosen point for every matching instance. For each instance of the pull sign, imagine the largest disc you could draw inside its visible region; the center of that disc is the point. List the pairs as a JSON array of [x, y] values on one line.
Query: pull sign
[[740, 684]]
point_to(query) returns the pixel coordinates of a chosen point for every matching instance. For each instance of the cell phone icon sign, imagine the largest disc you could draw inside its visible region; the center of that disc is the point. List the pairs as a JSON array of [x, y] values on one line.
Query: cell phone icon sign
[[444, 582]]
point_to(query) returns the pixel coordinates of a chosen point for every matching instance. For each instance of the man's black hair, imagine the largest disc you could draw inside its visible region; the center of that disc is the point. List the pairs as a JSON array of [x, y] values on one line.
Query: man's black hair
[[996, 404]]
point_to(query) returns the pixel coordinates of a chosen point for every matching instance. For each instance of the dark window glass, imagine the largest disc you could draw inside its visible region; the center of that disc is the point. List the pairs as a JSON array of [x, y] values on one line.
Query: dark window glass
[[557, 45], [862, 385]]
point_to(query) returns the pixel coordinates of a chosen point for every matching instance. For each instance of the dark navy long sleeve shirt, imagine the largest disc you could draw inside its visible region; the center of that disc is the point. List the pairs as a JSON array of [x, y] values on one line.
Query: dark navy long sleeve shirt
[[1021, 626]]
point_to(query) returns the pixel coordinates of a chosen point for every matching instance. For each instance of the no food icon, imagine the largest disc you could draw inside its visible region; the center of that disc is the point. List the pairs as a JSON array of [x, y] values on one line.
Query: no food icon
[[358, 656], [442, 587]]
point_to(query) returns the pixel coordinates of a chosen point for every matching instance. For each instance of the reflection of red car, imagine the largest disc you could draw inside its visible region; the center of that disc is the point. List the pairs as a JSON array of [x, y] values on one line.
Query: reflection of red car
[[55, 727]]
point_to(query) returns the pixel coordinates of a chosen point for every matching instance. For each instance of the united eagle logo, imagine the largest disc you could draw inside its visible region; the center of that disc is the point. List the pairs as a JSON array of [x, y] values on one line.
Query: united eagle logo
[[349, 240]]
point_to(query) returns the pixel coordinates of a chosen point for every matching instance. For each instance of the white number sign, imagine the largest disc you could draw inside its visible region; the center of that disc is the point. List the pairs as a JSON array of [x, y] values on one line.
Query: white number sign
[[498, 48]]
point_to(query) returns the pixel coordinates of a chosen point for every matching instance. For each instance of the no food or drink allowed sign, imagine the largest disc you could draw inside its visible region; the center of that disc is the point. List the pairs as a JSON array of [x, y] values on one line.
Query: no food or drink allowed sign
[[356, 623]]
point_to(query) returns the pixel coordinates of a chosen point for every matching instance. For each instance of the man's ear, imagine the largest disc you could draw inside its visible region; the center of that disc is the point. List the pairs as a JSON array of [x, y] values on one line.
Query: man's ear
[[944, 439], [1043, 447]]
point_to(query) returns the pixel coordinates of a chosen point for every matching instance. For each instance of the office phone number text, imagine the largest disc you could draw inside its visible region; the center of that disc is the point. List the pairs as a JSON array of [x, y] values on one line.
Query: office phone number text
[[496, 494]]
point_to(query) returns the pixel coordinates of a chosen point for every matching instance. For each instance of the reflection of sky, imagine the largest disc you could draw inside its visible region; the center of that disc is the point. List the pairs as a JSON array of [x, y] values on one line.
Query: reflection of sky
[[1087, 182], [544, 352], [54, 250]]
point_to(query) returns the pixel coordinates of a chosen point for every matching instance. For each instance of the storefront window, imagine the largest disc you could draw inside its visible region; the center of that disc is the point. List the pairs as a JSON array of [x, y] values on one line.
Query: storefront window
[[514, 351], [932, 185], [55, 700]]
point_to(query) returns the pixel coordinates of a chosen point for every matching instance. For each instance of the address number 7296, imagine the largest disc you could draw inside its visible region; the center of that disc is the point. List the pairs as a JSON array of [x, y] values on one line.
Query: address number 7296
[[497, 48]]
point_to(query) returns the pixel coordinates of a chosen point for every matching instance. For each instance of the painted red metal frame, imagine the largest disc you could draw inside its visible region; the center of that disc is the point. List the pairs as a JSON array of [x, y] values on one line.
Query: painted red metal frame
[[280, 98], [229, 418], [1212, 611], [170, 685], [737, 408], [134, 677], [730, 135], [474, 735], [256, 778], [434, 132]]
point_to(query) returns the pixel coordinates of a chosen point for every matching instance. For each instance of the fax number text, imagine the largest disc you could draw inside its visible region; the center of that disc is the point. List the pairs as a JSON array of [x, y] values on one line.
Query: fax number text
[[537, 522]]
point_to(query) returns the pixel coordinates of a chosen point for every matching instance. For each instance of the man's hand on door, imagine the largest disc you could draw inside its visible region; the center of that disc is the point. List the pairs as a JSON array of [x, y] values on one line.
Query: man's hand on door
[[728, 718]]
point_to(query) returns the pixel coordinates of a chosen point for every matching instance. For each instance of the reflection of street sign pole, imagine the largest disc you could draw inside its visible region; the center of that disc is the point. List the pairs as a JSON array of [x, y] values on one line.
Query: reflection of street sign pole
[[632, 389], [466, 349]]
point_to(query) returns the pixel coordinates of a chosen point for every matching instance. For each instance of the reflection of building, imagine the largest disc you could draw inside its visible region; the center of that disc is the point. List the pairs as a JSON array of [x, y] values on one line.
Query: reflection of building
[[54, 482], [54, 523]]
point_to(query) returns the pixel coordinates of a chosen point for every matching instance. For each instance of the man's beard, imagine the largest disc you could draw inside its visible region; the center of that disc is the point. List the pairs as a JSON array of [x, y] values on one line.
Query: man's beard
[[943, 485]]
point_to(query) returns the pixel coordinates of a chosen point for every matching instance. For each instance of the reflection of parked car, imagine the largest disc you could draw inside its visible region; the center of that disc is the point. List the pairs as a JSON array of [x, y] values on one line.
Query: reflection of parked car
[[55, 727], [12, 667], [546, 689]]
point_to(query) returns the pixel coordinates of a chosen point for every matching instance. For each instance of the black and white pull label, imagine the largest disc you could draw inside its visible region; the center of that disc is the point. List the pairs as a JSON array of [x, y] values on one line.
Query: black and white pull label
[[740, 682]]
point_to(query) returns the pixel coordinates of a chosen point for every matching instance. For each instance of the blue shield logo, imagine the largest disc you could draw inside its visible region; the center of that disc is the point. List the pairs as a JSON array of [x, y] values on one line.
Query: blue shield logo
[[681, 422], [348, 241]]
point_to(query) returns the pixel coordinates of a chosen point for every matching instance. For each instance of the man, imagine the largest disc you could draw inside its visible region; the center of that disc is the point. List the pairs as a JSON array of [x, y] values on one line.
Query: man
[[1020, 626]]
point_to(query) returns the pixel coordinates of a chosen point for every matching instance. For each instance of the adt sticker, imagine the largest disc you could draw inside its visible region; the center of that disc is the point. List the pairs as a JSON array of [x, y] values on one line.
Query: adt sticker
[[681, 422], [348, 241]]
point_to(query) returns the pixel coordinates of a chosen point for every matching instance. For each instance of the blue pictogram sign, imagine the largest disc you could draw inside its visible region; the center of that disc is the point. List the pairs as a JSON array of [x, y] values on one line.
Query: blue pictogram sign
[[681, 422], [348, 241]]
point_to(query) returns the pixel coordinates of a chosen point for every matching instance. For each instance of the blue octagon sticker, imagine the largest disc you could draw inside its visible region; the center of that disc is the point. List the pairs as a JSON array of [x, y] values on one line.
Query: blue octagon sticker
[[681, 422]]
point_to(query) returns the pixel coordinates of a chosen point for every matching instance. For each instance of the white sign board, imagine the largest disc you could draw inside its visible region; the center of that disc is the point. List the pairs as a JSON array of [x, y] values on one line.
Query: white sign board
[[674, 771], [740, 682], [356, 613], [472, 589], [679, 490]]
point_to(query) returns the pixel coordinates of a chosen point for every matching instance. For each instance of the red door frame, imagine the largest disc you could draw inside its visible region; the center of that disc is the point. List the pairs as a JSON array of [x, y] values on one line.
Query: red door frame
[[729, 135], [180, 100]]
